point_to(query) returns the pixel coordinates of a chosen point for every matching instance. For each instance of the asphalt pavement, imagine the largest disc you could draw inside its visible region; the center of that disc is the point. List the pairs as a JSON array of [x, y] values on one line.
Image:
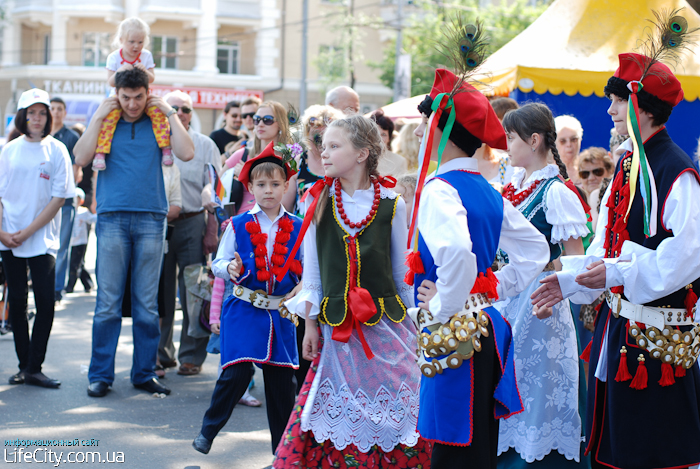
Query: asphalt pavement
[[148, 431]]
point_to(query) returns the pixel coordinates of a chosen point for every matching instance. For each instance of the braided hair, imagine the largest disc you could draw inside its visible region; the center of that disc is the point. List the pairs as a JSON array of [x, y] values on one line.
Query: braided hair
[[535, 118]]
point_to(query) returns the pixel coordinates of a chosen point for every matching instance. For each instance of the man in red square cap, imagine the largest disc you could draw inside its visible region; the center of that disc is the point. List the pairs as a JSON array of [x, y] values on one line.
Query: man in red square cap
[[464, 344], [646, 260]]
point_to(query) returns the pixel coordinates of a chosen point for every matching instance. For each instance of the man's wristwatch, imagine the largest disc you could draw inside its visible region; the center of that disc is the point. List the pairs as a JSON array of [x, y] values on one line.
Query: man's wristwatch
[[170, 113]]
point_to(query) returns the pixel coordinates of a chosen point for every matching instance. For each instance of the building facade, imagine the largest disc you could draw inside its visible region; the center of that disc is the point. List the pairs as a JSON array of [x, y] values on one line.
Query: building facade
[[217, 50]]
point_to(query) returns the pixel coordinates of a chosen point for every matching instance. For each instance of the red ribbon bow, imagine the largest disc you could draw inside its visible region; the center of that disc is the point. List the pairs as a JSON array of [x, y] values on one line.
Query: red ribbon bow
[[387, 181]]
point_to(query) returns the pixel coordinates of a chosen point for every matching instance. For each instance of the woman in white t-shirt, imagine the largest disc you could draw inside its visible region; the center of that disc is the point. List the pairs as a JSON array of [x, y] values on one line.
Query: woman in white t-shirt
[[35, 180]]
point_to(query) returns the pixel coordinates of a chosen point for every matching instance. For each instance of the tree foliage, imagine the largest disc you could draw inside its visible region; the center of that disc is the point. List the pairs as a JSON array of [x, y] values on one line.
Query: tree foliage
[[424, 28]]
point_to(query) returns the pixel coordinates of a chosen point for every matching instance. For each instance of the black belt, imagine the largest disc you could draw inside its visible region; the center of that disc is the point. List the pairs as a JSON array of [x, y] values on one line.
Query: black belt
[[185, 216]]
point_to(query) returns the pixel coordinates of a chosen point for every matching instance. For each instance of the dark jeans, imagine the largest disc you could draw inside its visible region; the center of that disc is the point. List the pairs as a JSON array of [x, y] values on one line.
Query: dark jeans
[[77, 269], [280, 387], [31, 352]]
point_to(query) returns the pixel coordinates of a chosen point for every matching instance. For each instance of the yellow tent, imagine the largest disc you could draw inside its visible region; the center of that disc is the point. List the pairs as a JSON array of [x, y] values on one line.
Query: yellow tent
[[573, 47]]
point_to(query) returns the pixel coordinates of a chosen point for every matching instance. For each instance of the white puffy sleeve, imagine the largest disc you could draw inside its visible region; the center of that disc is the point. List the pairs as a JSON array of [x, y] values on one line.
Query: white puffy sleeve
[[565, 213], [225, 253], [442, 222], [647, 274], [399, 238], [527, 249], [311, 290]]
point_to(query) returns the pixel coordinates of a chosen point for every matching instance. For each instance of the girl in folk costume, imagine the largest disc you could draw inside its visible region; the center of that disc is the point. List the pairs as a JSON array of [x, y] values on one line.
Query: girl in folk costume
[[255, 326], [359, 404], [545, 344], [646, 258], [464, 345]]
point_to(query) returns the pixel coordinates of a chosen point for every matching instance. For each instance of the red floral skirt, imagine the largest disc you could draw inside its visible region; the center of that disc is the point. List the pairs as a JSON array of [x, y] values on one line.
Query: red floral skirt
[[299, 449]]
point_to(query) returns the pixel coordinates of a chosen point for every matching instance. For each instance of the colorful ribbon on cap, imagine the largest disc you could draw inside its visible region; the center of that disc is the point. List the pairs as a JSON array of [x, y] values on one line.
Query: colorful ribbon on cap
[[640, 165]]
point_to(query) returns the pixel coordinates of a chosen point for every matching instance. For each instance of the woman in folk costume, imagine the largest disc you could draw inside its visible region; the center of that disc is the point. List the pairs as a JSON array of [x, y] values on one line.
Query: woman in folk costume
[[464, 345], [359, 404], [646, 258], [548, 432]]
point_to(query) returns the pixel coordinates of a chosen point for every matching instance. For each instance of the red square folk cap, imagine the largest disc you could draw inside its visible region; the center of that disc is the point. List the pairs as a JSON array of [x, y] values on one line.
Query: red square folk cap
[[659, 80], [473, 110], [266, 156]]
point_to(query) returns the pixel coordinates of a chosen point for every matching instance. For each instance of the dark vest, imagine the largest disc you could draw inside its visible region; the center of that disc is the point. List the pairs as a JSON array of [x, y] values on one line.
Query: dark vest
[[667, 162], [536, 214], [375, 272]]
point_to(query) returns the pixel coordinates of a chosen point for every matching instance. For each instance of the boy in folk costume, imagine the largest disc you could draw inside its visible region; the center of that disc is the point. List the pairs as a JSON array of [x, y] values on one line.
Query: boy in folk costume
[[647, 259], [464, 344], [255, 325]]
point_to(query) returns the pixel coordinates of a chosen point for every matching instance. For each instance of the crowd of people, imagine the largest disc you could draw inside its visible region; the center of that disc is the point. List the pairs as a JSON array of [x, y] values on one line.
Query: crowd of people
[[404, 286]]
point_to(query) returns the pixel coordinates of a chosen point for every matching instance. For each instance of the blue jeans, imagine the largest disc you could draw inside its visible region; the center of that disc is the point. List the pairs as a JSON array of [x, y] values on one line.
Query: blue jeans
[[67, 216], [123, 239]]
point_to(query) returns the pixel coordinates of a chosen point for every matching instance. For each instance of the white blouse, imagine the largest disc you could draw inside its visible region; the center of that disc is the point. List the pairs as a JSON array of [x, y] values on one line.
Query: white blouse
[[356, 209], [562, 208], [444, 224]]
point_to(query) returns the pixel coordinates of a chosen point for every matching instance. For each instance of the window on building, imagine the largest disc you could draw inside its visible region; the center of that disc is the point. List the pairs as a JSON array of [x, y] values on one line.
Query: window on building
[[228, 57], [165, 51], [47, 48], [96, 48]]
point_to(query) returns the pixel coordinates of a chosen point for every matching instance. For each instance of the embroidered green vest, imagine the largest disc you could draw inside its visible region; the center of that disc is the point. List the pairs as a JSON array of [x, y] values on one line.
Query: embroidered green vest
[[374, 271]]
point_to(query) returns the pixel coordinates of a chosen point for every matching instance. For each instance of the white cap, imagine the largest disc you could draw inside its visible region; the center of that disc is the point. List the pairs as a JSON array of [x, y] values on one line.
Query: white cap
[[33, 96]]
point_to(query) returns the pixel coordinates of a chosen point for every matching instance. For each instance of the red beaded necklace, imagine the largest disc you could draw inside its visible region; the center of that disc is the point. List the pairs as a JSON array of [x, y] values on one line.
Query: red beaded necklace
[[509, 192], [279, 249], [341, 210]]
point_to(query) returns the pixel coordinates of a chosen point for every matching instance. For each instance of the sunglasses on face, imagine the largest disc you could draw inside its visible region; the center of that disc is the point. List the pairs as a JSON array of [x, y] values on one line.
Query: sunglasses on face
[[597, 172], [267, 120], [247, 115], [184, 109], [572, 140]]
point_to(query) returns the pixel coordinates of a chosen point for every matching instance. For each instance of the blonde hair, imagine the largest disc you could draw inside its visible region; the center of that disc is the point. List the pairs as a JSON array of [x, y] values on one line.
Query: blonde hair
[[592, 154], [409, 181], [280, 115], [130, 25], [408, 145], [324, 115], [361, 133]]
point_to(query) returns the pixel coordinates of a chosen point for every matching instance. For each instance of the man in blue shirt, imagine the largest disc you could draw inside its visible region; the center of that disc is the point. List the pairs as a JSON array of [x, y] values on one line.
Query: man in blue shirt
[[69, 138], [131, 209]]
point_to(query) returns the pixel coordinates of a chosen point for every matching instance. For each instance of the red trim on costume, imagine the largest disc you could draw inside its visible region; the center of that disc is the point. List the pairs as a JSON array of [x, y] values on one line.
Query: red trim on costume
[[124, 61], [586, 354], [663, 207], [594, 428]]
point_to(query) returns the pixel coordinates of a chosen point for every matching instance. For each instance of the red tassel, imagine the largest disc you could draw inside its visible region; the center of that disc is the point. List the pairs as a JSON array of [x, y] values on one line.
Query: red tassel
[[258, 238], [276, 270], [667, 378], [260, 250], [623, 373], [263, 275], [680, 371], [409, 278], [586, 355], [277, 259], [252, 227], [279, 249], [640, 378], [282, 237], [260, 262], [286, 225], [690, 299], [415, 263], [295, 267]]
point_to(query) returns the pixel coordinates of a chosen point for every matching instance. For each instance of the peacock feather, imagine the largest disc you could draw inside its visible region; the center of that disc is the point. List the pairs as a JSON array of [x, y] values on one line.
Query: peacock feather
[[465, 46], [666, 41], [292, 115]]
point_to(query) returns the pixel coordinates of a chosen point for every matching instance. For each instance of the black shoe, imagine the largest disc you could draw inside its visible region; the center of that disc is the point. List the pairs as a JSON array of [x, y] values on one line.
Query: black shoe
[[17, 378], [6, 329], [153, 386], [57, 296], [98, 389], [201, 444], [40, 379]]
